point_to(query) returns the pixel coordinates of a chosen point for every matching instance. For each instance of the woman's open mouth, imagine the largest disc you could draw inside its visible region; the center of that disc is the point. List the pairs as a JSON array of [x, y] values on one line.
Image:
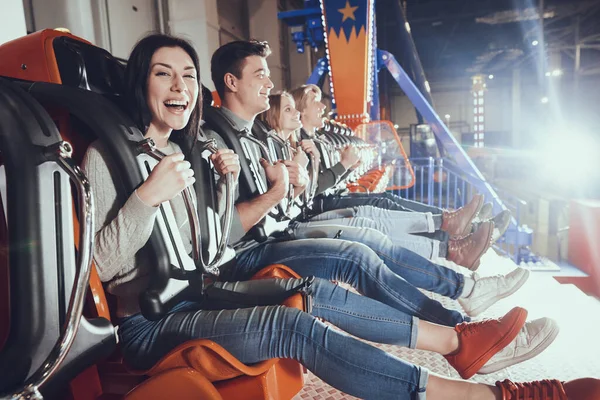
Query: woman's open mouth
[[177, 105]]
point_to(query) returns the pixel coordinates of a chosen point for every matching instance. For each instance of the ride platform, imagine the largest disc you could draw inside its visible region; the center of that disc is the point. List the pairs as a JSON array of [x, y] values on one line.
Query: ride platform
[[574, 354]]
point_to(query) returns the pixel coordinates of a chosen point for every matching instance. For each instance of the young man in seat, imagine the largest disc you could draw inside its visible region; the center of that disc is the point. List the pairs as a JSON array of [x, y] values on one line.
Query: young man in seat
[[241, 76]]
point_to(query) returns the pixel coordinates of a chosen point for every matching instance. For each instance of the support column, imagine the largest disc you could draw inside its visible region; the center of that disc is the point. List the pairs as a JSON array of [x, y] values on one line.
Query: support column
[[516, 108], [264, 25], [478, 91], [12, 22], [197, 21]]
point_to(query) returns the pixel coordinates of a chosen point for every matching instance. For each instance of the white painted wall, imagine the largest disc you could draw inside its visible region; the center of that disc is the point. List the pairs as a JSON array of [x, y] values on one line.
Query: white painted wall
[[12, 20], [116, 26], [264, 25], [197, 21], [75, 15], [458, 104], [128, 21], [233, 20]]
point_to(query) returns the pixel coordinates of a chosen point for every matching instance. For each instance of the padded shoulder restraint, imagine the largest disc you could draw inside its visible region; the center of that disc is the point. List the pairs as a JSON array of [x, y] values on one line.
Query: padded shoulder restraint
[[216, 121]]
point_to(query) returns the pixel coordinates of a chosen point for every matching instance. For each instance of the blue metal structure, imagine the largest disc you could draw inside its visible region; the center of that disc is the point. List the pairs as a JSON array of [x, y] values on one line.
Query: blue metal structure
[[455, 165], [306, 24], [319, 73]]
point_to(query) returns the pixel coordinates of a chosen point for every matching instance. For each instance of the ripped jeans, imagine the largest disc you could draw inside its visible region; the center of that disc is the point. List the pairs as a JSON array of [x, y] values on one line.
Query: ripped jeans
[[260, 333], [361, 267]]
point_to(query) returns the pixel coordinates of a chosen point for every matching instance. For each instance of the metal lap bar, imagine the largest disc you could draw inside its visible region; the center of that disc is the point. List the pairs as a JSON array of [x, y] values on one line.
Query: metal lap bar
[[212, 267], [61, 154], [148, 147], [267, 155], [285, 149]]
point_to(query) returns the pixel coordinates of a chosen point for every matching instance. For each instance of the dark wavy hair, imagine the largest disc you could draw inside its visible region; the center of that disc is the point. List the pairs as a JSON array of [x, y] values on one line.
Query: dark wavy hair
[[230, 58], [136, 86]]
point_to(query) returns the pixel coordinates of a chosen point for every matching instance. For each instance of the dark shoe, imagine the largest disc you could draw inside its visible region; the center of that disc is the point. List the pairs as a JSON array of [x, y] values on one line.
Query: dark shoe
[[468, 251], [551, 389], [458, 223], [479, 341]]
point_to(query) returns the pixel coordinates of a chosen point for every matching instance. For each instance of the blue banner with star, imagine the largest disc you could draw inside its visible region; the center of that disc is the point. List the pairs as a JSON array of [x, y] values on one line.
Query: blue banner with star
[[343, 15]]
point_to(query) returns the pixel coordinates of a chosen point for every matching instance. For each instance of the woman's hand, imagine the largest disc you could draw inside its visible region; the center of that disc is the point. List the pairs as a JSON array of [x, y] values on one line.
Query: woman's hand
[[167, 180], [301, 158], [309, 146], [226, 161]]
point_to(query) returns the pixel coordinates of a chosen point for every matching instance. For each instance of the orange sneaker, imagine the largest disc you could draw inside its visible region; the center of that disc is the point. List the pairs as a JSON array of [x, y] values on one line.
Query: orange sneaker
[[578, 389], [479, 341]]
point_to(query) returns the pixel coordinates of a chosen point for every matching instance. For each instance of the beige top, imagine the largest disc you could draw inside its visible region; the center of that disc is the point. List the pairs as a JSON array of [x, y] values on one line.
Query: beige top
[[123, 226]]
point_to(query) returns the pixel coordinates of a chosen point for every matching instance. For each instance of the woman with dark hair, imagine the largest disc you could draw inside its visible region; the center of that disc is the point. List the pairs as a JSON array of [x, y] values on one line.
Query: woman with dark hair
[[163, 85]]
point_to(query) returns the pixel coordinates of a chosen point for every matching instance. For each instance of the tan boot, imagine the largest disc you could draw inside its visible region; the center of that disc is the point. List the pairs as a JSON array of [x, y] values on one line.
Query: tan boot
[[468, 251], [458, 223]]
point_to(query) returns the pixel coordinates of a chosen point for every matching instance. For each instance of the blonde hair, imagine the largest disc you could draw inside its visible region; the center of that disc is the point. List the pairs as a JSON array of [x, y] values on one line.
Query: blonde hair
[[272, 117], [302, 94]]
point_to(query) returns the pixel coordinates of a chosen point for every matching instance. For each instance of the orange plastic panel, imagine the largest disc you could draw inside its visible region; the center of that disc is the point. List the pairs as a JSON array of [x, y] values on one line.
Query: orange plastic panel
[[86, 386], [349, 35], [584, 236], [376, 132], [31, 57], [179, 383], [281, 382]]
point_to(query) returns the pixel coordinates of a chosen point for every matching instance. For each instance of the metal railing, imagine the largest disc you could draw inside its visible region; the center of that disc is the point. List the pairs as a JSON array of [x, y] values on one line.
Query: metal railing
[[441, 183]]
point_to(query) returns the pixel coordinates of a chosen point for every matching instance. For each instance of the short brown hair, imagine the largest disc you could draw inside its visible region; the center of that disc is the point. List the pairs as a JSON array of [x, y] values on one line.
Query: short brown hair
[[231, 58]]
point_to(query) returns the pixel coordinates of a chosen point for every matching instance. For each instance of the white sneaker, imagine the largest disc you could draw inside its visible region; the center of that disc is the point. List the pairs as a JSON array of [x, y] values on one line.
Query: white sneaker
[[501, 224], [489, 290], [534, 337]]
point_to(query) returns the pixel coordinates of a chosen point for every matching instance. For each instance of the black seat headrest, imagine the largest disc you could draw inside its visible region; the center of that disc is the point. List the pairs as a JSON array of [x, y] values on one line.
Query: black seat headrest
[[89, 67]]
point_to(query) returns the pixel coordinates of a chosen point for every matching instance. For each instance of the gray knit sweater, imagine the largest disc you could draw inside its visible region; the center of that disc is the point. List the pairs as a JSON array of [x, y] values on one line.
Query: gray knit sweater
[[123, 226]]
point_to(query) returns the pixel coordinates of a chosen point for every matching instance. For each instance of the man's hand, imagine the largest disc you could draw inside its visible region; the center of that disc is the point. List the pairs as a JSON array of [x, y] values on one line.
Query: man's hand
[[349, 157], [297, 173], [226, 161], [277, 175], [356, 165]]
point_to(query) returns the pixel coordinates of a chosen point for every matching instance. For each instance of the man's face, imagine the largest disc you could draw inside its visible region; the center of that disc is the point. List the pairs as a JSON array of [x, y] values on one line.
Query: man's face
[[254, 85], [312, 116]]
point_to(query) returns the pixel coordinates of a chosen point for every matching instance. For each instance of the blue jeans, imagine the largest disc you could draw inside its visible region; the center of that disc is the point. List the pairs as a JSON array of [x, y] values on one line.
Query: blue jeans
[[386, 200], [414, 268], [259, 333], [344, 261], [400, 226]]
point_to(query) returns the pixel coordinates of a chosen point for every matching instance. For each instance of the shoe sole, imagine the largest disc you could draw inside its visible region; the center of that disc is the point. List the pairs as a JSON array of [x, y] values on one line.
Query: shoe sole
[[510, 335], [487, 215], [490, 369], [465, 232], [502, 230], [492, 301], [476, 263]]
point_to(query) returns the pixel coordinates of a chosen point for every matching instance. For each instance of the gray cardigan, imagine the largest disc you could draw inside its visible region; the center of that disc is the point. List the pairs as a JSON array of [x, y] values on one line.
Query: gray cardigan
[[123, 226]]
